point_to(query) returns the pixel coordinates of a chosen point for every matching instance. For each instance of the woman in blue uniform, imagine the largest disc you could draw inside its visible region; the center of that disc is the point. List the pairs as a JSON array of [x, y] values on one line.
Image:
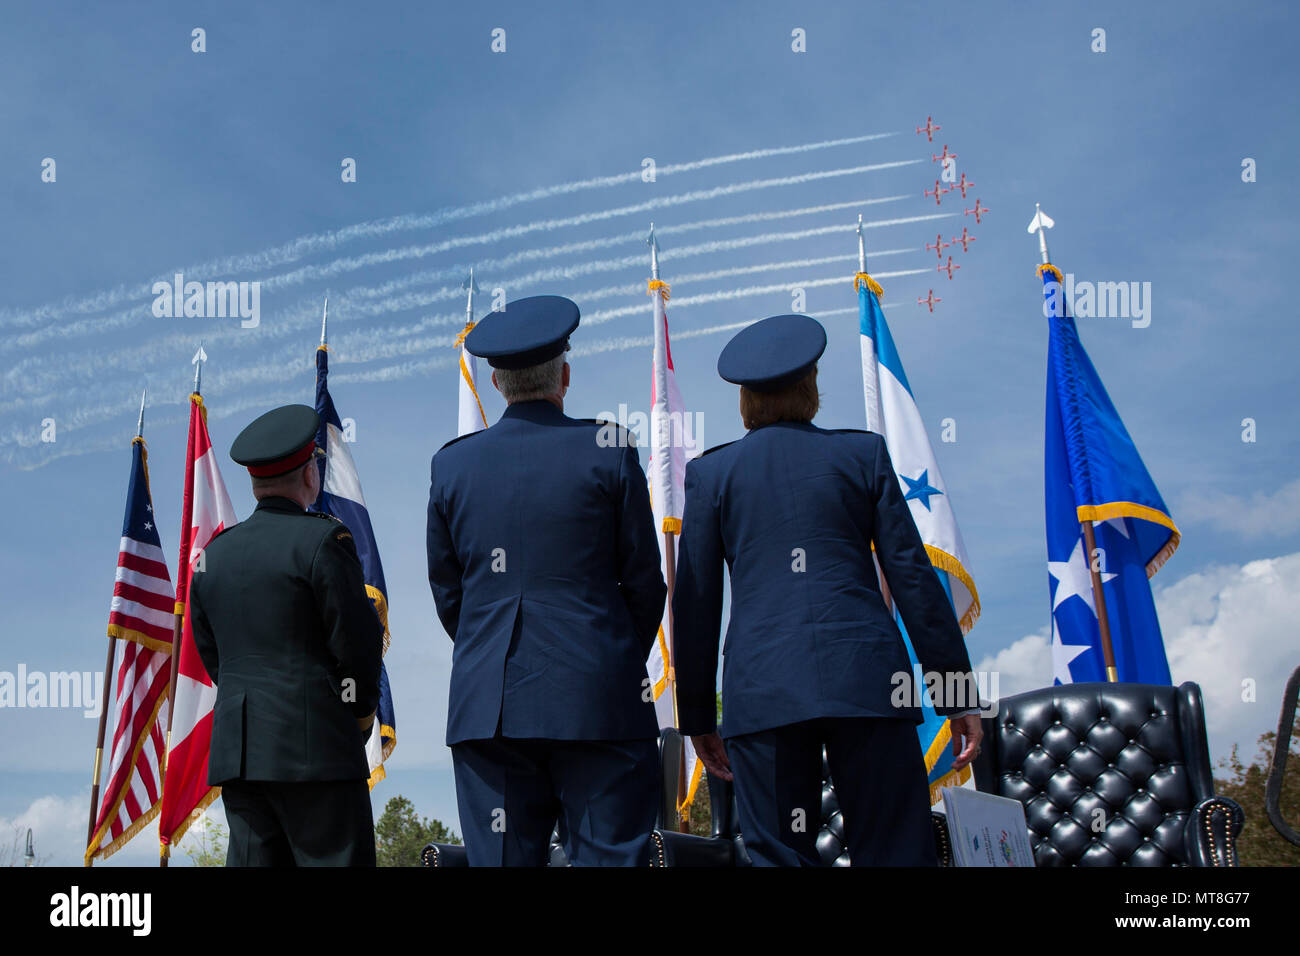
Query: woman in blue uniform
[[813, 656]]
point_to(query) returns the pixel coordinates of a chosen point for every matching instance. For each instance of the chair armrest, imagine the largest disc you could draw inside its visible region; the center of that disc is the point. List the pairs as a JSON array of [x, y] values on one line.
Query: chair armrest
[[669, 848], [1210, 837], [942, 839], [671, 748], [444, 854]]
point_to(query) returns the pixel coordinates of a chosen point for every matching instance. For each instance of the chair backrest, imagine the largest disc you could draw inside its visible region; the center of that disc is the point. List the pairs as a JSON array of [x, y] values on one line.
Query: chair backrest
[[1108, 773]]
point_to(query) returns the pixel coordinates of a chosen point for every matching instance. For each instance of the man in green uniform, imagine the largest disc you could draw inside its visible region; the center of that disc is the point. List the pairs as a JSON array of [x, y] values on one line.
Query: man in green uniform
[[286, 631]]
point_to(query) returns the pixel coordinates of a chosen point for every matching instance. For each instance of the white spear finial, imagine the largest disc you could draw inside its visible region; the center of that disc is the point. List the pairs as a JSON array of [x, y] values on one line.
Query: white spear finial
[[1040, 224], [862, 247], [199, 358], [654, 252], [324, 319], [139, 427]]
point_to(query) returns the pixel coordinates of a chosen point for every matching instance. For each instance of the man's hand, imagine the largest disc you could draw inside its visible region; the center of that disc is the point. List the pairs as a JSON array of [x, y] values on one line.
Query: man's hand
[[365, 723], [972, 730], [709, 748]]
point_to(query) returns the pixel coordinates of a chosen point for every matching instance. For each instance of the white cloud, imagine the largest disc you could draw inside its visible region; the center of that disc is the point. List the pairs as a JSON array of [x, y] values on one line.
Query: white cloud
[[58, 825], [1230, 625], [1261, 514], [1025, 665]]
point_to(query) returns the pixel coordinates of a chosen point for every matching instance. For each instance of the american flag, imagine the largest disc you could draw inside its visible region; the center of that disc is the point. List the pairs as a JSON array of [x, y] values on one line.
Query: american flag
[[141, 616]]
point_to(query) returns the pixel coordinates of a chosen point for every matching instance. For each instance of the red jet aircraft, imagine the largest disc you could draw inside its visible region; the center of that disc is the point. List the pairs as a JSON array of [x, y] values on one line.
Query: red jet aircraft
[[938, 246], [965, 239], [936, 192], [978, 211]]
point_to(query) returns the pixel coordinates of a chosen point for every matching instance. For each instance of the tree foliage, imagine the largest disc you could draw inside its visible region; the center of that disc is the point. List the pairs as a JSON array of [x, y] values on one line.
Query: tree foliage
[[205, 843], [400, 834], [1260, 844]]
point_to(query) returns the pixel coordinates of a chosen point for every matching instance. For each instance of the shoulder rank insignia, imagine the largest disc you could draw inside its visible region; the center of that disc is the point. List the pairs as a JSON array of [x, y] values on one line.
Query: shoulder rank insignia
[[463, 437], [710, 451]]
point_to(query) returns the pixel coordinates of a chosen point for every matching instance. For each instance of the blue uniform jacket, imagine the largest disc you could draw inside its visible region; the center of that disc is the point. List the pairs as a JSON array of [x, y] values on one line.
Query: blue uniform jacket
[[793, 510], [544, 567]]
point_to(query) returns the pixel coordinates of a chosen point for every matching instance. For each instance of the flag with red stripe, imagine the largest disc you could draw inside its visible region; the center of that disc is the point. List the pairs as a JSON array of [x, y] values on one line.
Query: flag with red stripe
[[205, 512], [141, 616]]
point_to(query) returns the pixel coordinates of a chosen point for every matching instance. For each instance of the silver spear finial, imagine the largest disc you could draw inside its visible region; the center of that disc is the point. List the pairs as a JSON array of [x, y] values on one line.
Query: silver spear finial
[[862, 247], [654, 252], [199, 358]]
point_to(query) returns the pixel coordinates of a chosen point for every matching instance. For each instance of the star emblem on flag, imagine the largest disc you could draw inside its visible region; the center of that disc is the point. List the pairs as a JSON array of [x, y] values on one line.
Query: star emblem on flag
[[1073, 578], [920, 488], [1062, 655]]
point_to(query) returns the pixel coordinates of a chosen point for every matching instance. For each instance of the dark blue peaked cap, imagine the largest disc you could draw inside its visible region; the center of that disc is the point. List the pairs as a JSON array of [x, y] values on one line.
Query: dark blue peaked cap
[[527, 332], [773, 353]]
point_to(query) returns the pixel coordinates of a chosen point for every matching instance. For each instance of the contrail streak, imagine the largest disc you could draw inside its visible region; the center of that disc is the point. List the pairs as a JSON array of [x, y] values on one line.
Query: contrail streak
[[361, 345], [275, 371], [26, 375], [304, 245], [138, 313]]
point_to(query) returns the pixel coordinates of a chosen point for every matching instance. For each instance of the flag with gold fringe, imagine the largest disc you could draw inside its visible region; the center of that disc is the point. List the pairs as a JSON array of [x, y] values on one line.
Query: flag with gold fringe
[[672, 443], [205, 512], [892, 413], [142, 617]]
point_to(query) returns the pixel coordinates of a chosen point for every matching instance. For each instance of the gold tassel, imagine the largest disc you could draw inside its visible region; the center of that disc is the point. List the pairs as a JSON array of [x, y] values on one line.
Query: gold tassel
[[860, 278], [661, 285], [460, 339], [1048, 267]]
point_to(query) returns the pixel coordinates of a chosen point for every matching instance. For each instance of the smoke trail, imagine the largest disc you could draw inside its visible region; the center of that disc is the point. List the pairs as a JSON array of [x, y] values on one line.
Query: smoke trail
[[139, 313], [88, 415], [27, 377], [304, 245]]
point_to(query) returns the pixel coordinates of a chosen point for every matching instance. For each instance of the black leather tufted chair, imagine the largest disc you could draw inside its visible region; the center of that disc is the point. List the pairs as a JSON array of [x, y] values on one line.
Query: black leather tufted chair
[[1111, 775], [670, 755]]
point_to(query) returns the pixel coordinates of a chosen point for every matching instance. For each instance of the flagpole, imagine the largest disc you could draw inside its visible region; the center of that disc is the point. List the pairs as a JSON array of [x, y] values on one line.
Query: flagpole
[[1040, 224], [862, 273], [179, 617], [108, 682], [670, 574]]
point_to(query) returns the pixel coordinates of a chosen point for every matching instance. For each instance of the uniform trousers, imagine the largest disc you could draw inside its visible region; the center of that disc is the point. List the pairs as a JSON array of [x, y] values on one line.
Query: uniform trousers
[[314, 823], [880, 782], [513, 793]]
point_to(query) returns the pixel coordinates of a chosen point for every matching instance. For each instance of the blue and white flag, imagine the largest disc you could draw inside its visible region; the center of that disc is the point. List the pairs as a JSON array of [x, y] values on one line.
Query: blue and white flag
[[340, 495], [1094, 473], [892, 413]]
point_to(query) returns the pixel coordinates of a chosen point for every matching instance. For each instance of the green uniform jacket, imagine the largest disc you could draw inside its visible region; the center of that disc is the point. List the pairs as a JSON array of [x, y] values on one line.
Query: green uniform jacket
[[285, 629]]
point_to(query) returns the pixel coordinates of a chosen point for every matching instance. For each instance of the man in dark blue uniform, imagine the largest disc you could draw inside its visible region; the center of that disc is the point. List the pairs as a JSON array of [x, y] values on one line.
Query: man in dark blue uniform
[[545, 572], [286, 631], [813, 656]]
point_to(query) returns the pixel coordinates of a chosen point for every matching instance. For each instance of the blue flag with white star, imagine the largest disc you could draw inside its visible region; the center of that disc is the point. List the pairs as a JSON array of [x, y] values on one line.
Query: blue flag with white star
[[892, 413], [340, 495], [1094, 473]]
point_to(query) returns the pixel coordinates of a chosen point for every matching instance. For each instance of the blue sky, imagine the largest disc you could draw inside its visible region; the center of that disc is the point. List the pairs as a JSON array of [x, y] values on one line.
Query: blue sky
[[220, 163]]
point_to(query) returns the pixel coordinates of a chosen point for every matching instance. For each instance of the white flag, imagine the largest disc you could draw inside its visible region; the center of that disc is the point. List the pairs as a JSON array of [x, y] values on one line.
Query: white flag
[[673, 442]]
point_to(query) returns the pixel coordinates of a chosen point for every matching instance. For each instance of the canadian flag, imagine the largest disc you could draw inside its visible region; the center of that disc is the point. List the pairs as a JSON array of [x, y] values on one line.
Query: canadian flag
[[205, 511], [673, 441]]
